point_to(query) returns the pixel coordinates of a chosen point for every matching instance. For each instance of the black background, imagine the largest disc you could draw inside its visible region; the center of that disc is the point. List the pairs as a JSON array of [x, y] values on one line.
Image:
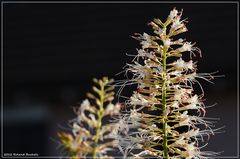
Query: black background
[[52, 51]]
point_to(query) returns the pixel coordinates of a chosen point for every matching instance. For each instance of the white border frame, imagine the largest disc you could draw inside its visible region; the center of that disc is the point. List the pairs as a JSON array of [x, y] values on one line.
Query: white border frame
[[116, 2]]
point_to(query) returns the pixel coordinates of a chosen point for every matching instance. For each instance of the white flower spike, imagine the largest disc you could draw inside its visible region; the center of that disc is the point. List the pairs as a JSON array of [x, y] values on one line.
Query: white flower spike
[[164, 117]]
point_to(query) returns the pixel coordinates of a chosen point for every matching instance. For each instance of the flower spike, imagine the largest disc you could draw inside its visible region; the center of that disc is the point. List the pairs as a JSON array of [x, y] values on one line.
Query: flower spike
[[91, 137], [164, 118]]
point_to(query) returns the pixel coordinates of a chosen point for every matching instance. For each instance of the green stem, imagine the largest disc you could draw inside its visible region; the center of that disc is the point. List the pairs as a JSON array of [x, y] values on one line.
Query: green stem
[[99, 122], [164, 105]]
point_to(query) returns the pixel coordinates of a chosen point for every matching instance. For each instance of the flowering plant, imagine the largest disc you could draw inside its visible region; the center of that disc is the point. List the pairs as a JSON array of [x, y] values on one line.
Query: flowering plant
[[164, 117], [91, 137]]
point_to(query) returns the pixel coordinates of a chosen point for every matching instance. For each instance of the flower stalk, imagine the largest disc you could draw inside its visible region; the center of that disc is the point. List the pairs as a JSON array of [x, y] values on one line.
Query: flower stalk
[[164, 104], [100, 116]]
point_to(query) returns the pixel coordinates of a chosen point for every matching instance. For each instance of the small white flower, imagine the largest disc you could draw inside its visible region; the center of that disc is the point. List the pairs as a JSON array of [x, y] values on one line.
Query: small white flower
[[136, 67], [75, 129], [144, 153], [138, 70], [181, 94], [193, 103], [137, 99], [189, 65], [123, 126], [173, 13], [190, 76], [175, 104], [134, 114], [180, 141], [134, 118], [191, 106], [157, 137], [141, 53], [185, 121], [177, 73], [187, 46], [90, 120], [191, 133], [178, 42], [181, 65], [178, 95], [145, 44], [193, 100], [167, 43], [146, 40], [177, 24], [113, 109], [146, 37], [85, 104], [110, 108], [190, 152]]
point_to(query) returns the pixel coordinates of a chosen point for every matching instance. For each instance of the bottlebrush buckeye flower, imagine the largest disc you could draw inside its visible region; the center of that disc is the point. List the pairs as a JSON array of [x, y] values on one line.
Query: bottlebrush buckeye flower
[[91, 137], [163, 117]]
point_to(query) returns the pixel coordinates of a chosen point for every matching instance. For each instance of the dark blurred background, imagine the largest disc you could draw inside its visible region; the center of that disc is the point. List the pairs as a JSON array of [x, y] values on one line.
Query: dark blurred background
[[52, 52]]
